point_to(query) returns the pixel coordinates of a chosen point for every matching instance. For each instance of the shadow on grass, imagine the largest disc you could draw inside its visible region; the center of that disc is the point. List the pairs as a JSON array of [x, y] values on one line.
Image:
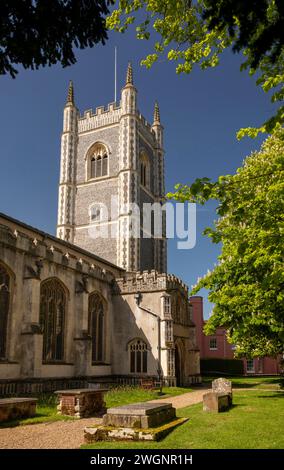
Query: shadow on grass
[[232, 407], [18, 422], [275, 396]]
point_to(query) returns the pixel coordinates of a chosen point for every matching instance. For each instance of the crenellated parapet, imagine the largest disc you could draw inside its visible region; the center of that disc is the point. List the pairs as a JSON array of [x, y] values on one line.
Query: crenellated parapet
[[148, 281], [103, 116]]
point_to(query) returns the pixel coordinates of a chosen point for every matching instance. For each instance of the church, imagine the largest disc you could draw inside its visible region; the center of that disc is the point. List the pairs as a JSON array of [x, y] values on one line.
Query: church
[[95, 303]]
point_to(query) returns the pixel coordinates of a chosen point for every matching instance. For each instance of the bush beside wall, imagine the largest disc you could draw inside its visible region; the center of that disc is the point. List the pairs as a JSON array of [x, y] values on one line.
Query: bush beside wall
[[221, 366]]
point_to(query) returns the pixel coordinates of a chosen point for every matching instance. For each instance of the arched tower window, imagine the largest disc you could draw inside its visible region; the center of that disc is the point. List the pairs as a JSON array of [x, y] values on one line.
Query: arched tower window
[[97, 327], [98, 161], [52, 319], [144, 170], [4, 309], [138, 356]]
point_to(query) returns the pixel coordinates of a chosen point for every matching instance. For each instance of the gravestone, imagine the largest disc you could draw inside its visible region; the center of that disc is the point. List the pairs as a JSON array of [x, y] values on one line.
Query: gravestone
[[222, 385], [214, 401], [139, 421]]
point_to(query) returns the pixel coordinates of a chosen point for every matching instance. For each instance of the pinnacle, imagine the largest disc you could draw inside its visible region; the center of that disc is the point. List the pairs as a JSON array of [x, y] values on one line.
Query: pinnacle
[[129, 75], [157, 118], [70, 96]]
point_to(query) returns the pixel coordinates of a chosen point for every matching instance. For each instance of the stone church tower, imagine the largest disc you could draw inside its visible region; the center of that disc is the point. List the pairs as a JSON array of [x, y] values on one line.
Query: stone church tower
[[111, 160]]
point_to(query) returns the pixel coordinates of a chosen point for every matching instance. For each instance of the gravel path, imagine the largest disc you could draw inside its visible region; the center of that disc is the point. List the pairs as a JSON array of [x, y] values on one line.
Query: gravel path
[[186, 399], [57, 435], [70, 434]]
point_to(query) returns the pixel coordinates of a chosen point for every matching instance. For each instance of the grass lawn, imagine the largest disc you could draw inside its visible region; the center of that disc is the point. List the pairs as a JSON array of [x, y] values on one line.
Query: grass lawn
[[124, 395], [256, 421], [268, 383], [47, 411]]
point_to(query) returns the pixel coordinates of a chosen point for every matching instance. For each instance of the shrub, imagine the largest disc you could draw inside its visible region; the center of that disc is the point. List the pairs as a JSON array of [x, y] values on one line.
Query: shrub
[[221, 366]]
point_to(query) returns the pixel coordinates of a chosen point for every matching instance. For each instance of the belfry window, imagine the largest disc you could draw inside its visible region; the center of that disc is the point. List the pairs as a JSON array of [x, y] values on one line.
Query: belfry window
[[4, 309], [98, 161], [138, 356], [97, 327], [144, 171], [52, 319]]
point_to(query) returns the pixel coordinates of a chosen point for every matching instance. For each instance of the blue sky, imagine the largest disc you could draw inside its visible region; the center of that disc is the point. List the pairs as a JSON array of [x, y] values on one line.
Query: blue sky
[[201, 113]]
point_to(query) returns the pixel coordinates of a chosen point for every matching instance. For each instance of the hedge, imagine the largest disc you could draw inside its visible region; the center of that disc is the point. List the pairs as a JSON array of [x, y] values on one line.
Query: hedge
[[222, 366]]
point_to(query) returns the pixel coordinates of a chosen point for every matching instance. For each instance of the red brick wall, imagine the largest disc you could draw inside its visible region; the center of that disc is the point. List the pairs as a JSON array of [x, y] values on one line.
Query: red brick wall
[[224, 350]]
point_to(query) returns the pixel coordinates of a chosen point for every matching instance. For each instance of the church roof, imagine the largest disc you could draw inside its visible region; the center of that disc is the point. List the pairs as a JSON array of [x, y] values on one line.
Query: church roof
[[46, 236]]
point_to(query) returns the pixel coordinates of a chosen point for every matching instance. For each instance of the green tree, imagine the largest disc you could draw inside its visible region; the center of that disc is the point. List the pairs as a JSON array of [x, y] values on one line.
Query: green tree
[[36, 33], [197, 32], [247, 284]]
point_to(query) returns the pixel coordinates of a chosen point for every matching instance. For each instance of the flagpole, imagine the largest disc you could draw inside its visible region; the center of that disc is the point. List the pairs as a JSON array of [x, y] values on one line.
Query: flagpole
[[115, 72]]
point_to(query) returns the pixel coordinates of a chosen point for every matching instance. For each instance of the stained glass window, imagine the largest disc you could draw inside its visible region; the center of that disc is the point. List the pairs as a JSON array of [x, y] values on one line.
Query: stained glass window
[[52, 319]]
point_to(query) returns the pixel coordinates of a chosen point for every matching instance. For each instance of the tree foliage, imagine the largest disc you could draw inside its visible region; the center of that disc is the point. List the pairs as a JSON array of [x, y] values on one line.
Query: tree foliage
[[247, 284], [36, 33], [198, 32]]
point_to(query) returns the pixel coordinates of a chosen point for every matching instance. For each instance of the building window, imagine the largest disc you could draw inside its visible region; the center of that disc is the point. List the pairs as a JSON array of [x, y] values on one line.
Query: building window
[[213, 343], [169, 334], [144, 171], [95, 213], [98, 157], [167, 306], [138, 356], [250, 365], [4, 309], [97, 327], [52, 319]]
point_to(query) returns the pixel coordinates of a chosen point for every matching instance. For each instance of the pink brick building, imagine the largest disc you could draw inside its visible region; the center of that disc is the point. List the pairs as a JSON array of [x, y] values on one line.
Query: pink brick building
[[217, 346]]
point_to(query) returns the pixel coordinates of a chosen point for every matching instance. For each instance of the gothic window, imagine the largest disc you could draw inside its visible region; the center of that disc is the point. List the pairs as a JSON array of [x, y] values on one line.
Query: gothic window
[[93, 167], [171, 362], [4, 309], [98, 161], [144, 171], [104, 165], [98, 167], [52, 319], [97, 327], [167, 306], [169, 336], [138, 356]]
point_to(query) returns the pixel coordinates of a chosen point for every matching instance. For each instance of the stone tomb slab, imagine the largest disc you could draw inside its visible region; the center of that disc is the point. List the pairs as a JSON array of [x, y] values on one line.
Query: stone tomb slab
[[81, 402], [15, 408], [139, 421], [140, 415]]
